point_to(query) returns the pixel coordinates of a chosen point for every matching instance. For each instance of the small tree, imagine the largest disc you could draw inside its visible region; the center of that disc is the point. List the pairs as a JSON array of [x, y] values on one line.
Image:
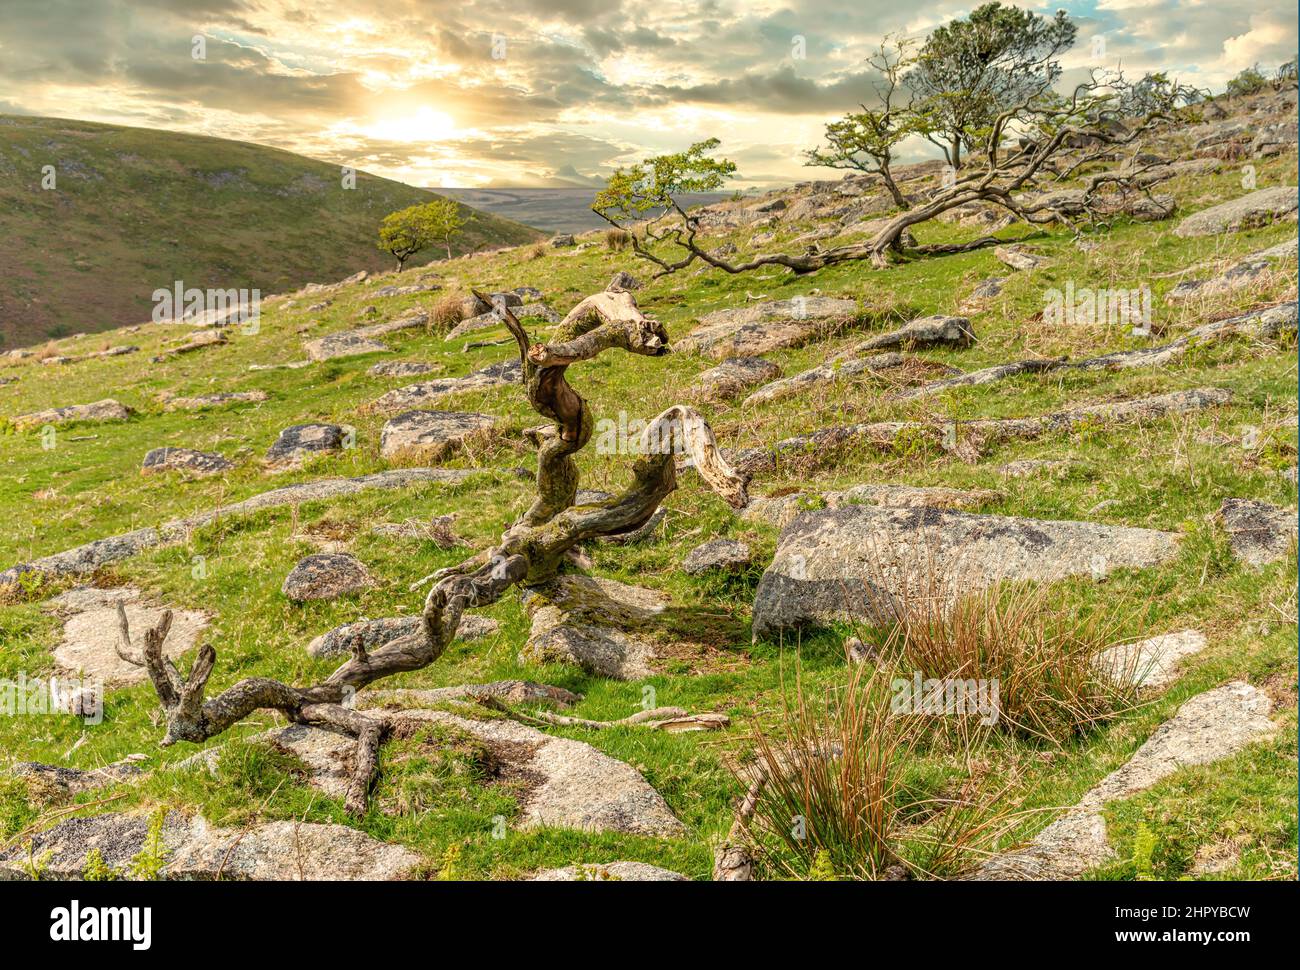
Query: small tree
[[970, 71], [866, 140], [1249, 81], [407, 231]]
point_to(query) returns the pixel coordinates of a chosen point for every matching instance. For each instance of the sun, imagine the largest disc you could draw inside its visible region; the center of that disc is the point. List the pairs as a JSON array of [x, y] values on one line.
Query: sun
[[424, 124]]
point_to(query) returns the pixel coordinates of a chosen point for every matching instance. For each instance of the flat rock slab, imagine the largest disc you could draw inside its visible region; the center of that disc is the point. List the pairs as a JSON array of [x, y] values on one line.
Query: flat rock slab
[[105, 410], [508, 691], [1153, 662], [1209, 727], [203, 402], [73, 781], [350, 343], [417, 395], [571, 784], [1017, 257], [717, 555], [610, 872], [847, 562], [1258, 532], [88, 647], [1254, 269], [1256, 209], [201, 463], [932, 331], [304, 440], [734, 375], [769, 325], [326, 576], [781, 510], [828, 374], [375, 633], [401, 368], [194, 850], [431, 435], [604, 627]]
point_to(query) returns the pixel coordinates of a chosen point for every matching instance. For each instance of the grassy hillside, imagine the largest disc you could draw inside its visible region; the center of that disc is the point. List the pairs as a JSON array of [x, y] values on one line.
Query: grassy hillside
[[1232, 819], [135, 209]]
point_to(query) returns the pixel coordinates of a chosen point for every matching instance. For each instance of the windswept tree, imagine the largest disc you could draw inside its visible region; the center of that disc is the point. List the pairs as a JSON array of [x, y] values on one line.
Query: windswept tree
[[866, 140], [530, 552], [1045, 137], [971, 70], [407, 231]]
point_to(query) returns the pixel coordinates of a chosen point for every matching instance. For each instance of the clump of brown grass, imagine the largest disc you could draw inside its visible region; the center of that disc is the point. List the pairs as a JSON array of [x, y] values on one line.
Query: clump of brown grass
[[831, 794], [616, 240], [536, 251], [1044, 659], [448, 311]]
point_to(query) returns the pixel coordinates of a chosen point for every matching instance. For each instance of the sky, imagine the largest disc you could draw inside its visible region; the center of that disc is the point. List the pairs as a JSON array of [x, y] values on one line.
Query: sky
[[482, 93]]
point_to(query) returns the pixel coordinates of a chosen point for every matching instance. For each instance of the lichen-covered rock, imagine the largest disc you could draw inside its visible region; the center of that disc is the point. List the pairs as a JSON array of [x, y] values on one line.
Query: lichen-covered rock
[[1017, 257], [375, 633], [829, 373], [507, 691], [1209, 727], [431, 435], [192, 850], [1247, 212], [349, 343], [717, 555], [325, 576], [781, 510], [734, 375], [304, 440], [417, 395], [610, 872], [768, 325], [205, 401], [1153, 662], [105, 410], [623, 281], [935, 331], [88, 647], [73, 781], [401, 368], [1259, 533], [849, 561], [604, 627], [200, 463]]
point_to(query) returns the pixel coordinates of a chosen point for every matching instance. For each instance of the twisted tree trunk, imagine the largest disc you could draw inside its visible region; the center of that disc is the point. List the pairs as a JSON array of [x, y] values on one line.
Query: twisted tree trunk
[[530, 551]]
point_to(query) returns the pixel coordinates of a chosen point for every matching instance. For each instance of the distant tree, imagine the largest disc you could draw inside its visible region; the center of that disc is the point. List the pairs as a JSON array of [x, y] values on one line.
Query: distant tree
[[1155, 91], [866, 140], [1249, 81], [970, 71], [1286, 74], [407, 231]]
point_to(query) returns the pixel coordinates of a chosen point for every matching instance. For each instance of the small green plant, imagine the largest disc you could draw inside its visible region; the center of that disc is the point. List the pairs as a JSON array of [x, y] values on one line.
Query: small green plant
[[147, 864], [97, 870], [449, 867], [1144, 850]]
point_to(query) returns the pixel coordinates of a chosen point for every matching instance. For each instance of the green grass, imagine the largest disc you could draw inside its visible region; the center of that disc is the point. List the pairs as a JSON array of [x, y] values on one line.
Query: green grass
[[441, 797]]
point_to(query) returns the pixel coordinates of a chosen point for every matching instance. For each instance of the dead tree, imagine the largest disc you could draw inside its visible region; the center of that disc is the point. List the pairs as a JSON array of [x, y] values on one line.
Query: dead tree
[[530, 552], [1055, 137]]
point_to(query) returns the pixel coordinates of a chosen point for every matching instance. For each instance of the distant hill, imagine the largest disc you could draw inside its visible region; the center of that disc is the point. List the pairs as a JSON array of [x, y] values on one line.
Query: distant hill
[[136, 209], [555, 209]]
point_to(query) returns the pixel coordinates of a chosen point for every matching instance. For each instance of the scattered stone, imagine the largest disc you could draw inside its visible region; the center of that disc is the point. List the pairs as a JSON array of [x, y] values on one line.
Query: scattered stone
[[734, 375], [1258, 532], [325, 576], [74, 781], [780, 511], [830, 373], [416, 395], [610, 872], [935, 331], [205, 401], [506, 691], [401, 368], [717, 555], [1151, 663], [371, 634], [304, 440], [90, 556], [350, 343], [1254, 269], [770, 325], [847, 562], [88, 648], [622, 282], [604, 627], [431, 435], [1256, 209], [538, 310], [562, 239], [193, 850], [105, 410], [1017, 257], [1208, 728], [200, 463], [1026, 467]]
